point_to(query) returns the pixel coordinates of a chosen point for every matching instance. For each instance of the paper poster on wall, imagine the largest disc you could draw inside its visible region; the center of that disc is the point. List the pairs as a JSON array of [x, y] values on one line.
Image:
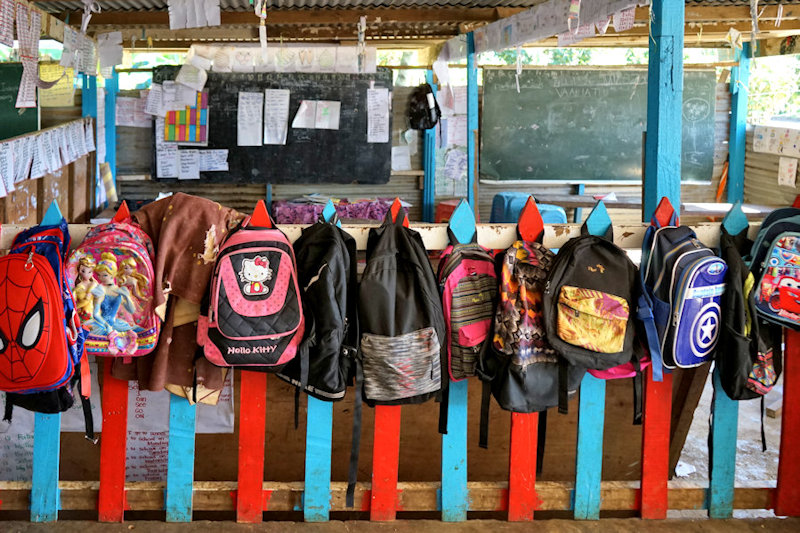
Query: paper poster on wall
[[401, 159], [213, 160], [7, 166], [7, 22], [189, 164], [130, 112], [189, 125], [62, 94], [327, 115], [787, 171], [276, 115], [154, 104], [378, 115], [101, 126], [306, 115], [249, 119]]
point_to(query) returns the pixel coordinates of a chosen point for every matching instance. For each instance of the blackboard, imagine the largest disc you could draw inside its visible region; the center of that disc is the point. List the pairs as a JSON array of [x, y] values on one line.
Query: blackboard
[[15, 121], [309, 155], [585, 124]]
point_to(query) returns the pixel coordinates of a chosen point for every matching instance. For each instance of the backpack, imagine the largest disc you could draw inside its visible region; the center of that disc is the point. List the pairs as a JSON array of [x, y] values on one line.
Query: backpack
[[40, 332], [468, 285], [423, 109], [521, 370], [749, 355], [326, 272], [254, 318], [111, 277], [590, 303], [775, 257], [401, 318], [685, 280]]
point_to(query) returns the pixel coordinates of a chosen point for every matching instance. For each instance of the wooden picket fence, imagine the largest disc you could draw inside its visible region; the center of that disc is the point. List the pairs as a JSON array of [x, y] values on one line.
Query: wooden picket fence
[[250, 495]]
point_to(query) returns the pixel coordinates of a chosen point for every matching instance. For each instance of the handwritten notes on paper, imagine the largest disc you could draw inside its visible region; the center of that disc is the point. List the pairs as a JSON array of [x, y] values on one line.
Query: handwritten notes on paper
[[327, 115], [131, 112], [378, 115], [189, 161], [213, 160], [7, 22], [276, 115], [787, 171], [62, 94], [249, 119], [154, 104]]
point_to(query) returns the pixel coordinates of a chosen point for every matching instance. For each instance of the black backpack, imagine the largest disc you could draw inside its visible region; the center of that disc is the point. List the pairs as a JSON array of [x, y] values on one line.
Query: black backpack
[[749, 356], [423, 109], [326, 273], [401, 319]]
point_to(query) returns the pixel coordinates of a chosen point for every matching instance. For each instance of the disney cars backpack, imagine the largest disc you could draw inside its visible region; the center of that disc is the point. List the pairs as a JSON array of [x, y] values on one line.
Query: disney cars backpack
[[254, 318], [111, 277]]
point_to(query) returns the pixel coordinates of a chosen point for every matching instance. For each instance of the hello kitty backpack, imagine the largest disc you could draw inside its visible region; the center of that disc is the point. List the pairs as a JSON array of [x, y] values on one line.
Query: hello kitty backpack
[[252, 317], [111, 277]]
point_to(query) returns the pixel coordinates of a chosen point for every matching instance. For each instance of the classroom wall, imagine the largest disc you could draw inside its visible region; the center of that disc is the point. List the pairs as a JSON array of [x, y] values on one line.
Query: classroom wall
[[761, 178]]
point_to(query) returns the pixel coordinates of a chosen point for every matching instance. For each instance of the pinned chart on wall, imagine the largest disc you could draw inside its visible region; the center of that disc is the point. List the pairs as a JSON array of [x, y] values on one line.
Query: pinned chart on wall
[[787, 171], [189, 125], [249, 119], [318, 115], [276, 115], [62, 94], [378, 115]]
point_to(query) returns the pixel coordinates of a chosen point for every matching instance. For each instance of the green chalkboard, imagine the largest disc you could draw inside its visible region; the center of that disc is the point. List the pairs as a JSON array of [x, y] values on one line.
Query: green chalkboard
[[585, 124], [14, 121]]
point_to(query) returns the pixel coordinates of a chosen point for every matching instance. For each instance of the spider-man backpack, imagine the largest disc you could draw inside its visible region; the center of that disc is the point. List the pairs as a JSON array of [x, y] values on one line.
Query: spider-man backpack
[[41, 341]]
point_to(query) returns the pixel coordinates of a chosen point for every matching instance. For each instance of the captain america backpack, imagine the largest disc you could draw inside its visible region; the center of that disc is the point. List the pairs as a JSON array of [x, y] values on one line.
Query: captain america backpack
[[41, 341], [685, 280], [111, 277]]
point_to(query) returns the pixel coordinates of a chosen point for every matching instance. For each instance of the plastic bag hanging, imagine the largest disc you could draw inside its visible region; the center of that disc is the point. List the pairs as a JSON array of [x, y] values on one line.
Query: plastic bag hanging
[[362, 49], [89, 8], [260, 9]]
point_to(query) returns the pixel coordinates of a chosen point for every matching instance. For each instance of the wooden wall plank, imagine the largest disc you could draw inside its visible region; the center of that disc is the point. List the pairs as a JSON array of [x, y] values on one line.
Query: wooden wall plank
[[252, 420], [113, 447], [44, 500], [723, 452], [455, 499], [319, 444], [589, 458], [655, 446], [385, 458], [180, 459], [522, 495], [787, 494]]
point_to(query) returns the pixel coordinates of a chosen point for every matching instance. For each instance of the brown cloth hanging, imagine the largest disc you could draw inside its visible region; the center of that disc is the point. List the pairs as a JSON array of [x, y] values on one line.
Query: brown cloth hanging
[[186, 231]]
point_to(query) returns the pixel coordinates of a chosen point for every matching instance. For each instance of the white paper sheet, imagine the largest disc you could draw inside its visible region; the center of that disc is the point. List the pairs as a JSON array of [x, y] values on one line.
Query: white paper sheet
[[306, 115], [7, 22], [130, 112], [327, 115], [23, 168], [154, 104], [624, 20], [189, 164], [52, 150], [7, 166], [70, 51], [109, 48], [38, 165], [456, 165], [192, 77], [62, 94], [276, 115], [88, 130], [787, 171], [214, 160], [77, 138], [100, 139], [457, 130], [401, 159], [167, 163], [378, 115], [249, 119]]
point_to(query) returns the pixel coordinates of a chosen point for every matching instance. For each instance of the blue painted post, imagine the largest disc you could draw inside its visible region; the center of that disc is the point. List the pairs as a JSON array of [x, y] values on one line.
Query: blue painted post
[[664, 105], [455, 496], [578, 215], [180, 459], [591, 417], [88, 96], [112, 88], [472, 121], [46, 451], [723, 452], [740, 76], [429, 164], [319, 444]]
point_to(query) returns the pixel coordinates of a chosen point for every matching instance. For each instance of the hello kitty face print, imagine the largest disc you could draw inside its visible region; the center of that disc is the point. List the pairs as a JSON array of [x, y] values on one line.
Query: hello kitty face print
[[253, 274]]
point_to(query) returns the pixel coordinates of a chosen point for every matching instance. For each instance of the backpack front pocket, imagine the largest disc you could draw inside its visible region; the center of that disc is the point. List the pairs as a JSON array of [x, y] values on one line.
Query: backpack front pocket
[[591, 319], [400, 367]]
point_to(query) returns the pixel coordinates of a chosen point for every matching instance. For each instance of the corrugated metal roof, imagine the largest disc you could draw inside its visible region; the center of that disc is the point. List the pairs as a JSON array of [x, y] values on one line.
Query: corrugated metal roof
[[244, 5]]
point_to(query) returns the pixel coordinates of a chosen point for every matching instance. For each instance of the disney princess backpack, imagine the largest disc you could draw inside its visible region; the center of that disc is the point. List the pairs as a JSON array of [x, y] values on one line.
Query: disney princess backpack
[[111, 278]]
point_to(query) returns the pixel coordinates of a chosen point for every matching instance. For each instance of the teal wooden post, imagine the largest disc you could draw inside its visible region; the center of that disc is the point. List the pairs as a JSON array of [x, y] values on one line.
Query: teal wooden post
[[740, 75], [577, 217], [472, 121], [88, 96], [180, 459], [46, 442], [429, 164], [319, 444], [112, 88], [455, 497], [591, 417], [723, 452], [664, 105]]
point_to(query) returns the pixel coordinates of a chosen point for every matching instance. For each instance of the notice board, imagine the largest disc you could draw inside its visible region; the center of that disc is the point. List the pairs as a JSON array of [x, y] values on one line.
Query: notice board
[[309, 155], [585, 124]]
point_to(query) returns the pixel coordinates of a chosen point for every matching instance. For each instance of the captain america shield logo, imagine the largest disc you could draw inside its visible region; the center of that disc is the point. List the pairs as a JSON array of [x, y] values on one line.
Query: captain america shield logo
[[705, 330]]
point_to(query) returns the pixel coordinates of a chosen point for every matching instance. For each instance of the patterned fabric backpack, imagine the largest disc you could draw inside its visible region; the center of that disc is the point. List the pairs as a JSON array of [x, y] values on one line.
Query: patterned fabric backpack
[[522, 370], [111, 277], [253, 318], [468, 283]]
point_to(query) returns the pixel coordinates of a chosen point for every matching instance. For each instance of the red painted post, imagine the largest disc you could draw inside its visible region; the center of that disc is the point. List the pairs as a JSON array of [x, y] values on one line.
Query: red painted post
[[655, 445], [522, 499], [385, 461], [113, 446], [252, 420], [787, 493]]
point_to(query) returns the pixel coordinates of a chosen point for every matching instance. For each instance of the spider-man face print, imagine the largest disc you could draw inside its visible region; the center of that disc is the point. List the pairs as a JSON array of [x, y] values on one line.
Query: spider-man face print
[[24, 322]]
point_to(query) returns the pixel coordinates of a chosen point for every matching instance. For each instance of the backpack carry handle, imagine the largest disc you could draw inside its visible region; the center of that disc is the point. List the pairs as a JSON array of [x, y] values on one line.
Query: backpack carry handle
[[598, 223]]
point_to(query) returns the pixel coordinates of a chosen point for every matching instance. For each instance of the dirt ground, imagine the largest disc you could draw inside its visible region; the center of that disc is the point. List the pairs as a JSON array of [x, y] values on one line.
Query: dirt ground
[[751, 463]]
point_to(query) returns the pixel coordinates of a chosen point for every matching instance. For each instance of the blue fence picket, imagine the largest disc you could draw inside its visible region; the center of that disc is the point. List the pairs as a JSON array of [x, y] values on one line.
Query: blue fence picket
[[180, 460]]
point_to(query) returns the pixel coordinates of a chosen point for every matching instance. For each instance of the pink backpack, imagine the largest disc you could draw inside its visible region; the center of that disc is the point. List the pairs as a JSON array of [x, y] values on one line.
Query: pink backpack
[[253, 317], [111, 277]]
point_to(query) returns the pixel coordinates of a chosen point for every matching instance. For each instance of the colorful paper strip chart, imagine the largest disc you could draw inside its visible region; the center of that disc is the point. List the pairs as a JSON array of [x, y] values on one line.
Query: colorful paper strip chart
[[190, 124]]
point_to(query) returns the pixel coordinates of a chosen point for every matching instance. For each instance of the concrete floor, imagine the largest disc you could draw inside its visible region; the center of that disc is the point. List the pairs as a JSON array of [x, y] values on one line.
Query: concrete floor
[[422, 526]]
